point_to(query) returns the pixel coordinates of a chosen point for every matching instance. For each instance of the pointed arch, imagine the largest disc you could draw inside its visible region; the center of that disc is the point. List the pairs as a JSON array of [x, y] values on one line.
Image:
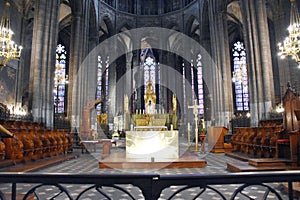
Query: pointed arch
[[92, 21], [193, 28], [106, 27]]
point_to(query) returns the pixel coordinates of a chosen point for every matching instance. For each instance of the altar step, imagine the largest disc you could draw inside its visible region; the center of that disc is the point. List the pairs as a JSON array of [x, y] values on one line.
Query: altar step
[[30, 166], [118, 160], [248, 164]]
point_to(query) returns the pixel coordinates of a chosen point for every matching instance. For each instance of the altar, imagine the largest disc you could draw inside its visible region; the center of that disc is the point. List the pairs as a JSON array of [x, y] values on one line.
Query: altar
[[152, 146], [152, 141]]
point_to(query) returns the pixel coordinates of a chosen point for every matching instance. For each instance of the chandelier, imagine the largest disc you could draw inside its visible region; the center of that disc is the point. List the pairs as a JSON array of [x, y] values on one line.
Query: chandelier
[[291, 44], [8, 49]]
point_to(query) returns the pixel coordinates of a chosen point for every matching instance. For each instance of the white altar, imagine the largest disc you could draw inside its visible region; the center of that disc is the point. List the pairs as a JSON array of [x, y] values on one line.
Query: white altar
[[152, 145]]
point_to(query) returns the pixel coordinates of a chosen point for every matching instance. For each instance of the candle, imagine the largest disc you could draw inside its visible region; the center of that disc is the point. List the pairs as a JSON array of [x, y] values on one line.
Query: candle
[[189, 130]]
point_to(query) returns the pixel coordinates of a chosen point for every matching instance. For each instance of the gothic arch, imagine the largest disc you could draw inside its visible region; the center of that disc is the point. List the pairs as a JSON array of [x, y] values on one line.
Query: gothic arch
[[126, 38], [193, 28], [106, 29], [92, 22], [234, 22], [204, 24], [65, 21]]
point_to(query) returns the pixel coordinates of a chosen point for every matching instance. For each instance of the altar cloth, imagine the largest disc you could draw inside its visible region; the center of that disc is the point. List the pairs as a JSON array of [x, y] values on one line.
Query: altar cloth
[[152, 145]]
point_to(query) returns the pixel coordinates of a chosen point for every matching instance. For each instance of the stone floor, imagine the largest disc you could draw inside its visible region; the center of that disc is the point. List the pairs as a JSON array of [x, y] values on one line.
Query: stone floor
[[88, 163]]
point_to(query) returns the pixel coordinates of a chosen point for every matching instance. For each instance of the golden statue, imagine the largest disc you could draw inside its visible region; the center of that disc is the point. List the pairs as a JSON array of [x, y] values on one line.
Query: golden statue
[[150, 99], [102, 118]]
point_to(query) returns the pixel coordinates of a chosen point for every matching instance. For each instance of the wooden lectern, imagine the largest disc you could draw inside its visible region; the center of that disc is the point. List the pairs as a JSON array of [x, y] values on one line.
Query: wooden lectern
[[216, 137]]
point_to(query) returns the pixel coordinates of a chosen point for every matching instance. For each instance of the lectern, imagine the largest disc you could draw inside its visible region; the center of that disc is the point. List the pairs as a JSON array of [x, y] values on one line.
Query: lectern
[[216, 137]]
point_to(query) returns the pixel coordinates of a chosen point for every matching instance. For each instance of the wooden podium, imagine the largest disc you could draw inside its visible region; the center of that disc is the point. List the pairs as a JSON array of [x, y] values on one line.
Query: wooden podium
[[216, 137]]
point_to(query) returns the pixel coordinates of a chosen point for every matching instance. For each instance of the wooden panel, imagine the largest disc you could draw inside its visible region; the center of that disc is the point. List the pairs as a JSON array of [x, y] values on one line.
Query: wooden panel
[[216, 135]]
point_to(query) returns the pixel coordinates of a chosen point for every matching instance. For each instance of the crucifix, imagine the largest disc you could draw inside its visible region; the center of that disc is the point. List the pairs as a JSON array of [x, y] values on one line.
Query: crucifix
[[195, 108]]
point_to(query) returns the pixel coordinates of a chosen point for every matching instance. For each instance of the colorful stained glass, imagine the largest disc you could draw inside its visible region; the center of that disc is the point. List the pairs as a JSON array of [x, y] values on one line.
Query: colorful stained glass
[[240, 77], [60, 79], [200, 84], [100, 87], [149, 70]]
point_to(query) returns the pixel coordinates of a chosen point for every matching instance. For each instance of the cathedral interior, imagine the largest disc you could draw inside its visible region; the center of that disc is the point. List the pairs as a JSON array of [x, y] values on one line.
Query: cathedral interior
[[85, 69], [237, 54]]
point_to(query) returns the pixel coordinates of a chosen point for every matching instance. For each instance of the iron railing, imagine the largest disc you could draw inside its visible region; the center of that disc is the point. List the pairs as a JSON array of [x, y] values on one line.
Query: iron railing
[[150, 185]]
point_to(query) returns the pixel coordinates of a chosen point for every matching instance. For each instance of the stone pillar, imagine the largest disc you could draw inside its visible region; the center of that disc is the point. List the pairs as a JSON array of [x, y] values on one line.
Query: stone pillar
[[256, 33], [222, 95], [42, 66], [129, 81], [75, 61], [281, 22], [128, 75]]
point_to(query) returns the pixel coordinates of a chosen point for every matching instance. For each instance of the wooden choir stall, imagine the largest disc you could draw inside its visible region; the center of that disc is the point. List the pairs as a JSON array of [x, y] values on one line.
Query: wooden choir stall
[[274, 144], [22, 141]]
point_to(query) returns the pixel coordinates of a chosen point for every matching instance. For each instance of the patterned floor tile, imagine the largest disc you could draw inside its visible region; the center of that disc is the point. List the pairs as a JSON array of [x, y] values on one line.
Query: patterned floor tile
[[87, 163]]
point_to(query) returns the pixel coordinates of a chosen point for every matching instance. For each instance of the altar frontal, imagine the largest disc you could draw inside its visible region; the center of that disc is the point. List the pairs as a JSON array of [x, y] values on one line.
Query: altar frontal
[[152, 145]]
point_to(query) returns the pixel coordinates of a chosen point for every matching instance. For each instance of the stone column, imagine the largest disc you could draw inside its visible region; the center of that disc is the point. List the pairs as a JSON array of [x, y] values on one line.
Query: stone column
[[129, 81], [281, 22], [75, 61], [222, 94], [128, 75], [42, 66], [261, 85]]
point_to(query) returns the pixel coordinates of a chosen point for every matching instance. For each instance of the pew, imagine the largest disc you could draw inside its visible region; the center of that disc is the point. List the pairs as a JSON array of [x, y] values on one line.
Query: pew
[[260, 142], [278, 138], [4, 133], [31, 141]]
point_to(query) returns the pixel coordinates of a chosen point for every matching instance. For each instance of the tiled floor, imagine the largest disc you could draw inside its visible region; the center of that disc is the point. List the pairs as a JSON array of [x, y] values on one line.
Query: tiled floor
[[87, 163]]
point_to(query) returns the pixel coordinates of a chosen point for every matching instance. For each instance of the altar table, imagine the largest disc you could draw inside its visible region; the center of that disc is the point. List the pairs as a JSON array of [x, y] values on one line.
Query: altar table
[[152, 145]]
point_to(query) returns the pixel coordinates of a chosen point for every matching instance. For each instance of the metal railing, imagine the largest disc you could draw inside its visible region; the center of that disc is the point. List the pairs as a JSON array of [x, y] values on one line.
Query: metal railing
[[150, 186]]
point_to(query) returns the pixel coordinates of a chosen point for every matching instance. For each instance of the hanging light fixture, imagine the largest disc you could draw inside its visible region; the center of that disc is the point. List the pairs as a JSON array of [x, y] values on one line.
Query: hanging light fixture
[[8, 49], [291, 44]]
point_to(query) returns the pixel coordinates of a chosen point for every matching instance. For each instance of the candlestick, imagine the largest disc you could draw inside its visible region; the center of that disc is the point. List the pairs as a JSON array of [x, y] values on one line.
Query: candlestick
[[189, 132], [131, 127]]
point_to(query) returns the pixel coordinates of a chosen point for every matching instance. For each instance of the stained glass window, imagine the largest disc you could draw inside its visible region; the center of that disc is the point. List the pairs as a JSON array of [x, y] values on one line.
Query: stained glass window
[[192, 75], [149, 71], [240, 77], [106, 83], [99, 85], [200, 84], [60, 79], [183, 86], [102, 89]]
